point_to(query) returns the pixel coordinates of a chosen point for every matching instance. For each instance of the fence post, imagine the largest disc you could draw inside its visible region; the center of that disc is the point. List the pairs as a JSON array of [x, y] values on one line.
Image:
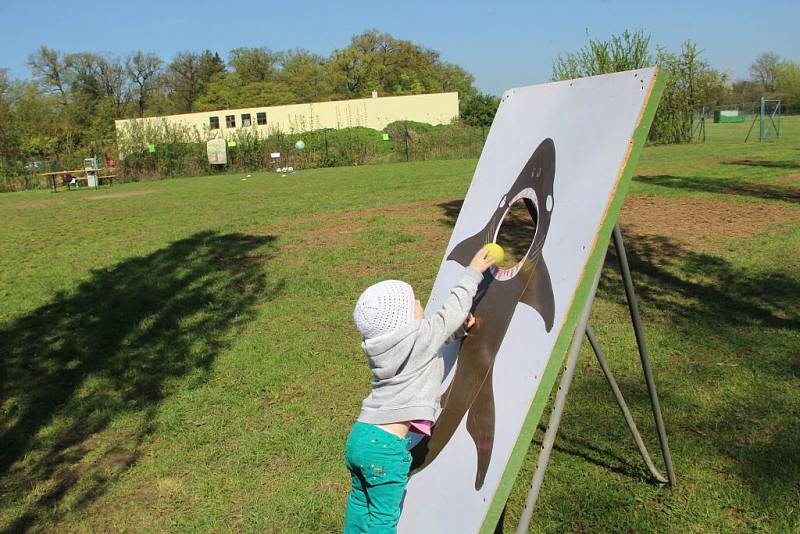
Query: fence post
[[405, 126]]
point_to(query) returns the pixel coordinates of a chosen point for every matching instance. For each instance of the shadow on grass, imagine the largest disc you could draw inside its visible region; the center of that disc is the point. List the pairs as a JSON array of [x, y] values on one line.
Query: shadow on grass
[[768, 164], [83, 375], [734, 388], [733, 321], [450, 210], [738, 319], [567, 443], [723, 186], [702, 288]]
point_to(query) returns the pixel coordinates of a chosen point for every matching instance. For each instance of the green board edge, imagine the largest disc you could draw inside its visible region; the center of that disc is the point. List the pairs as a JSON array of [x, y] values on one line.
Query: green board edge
[[594, 263]]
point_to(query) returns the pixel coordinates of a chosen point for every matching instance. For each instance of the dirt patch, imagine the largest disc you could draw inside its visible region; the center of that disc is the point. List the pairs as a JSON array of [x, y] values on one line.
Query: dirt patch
[[122, 195], [694, 221], [334, 232], [690, 221], [340, 228]]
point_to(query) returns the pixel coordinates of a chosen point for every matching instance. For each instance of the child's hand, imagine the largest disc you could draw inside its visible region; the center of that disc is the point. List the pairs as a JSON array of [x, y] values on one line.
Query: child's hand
[[482, 260], [469, 322]]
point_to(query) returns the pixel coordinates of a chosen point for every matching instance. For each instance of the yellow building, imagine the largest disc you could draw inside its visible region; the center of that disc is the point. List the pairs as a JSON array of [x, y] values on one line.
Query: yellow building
[[375, 113]]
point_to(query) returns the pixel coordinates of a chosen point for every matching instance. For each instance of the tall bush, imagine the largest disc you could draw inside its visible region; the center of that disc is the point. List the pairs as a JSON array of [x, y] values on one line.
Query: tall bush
[[687, 77], [479, 110]]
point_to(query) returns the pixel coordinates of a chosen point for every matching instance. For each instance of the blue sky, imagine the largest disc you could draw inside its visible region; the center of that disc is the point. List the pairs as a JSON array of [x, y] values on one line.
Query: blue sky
[[504, 44]]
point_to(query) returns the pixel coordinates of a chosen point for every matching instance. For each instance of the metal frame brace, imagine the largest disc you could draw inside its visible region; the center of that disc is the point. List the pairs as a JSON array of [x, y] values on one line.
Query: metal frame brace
[[582, 329]]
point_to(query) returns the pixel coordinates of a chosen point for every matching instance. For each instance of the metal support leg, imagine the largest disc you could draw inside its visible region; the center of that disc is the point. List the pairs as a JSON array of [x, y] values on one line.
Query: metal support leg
[[558, 409], [623, 406], [566, 381], [643, 354]]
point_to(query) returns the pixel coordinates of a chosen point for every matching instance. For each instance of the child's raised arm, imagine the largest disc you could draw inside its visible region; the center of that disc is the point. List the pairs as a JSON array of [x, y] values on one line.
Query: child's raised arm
[[440, 326]]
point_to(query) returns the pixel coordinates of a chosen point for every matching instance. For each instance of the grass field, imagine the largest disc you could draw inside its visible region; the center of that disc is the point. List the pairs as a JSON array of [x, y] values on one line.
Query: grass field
[[179, 355]]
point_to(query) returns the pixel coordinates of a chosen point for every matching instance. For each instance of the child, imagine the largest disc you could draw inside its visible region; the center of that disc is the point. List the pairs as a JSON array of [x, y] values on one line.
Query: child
[[402, 348]]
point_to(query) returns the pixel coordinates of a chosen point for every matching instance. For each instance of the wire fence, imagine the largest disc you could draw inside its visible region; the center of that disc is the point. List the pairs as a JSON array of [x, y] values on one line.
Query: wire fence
[[167, 157], [170, 154], [735, 122]]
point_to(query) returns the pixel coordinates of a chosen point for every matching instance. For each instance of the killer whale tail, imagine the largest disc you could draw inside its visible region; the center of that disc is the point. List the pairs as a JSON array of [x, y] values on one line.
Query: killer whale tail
[[456, 400], [480, 425]]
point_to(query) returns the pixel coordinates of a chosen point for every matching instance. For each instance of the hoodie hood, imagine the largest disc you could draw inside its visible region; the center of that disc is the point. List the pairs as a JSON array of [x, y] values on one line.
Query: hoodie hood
[[387, 353]]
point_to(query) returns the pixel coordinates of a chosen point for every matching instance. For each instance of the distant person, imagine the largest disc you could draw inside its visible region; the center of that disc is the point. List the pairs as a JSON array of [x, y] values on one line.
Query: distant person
[[70, 180], [403, 349]]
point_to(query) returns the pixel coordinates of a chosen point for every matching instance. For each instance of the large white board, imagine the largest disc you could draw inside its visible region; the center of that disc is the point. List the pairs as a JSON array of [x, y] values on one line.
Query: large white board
[[564, 146]]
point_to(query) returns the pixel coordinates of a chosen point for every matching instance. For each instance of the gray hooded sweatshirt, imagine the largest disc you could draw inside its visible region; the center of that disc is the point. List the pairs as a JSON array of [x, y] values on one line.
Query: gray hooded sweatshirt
[[407, 367]]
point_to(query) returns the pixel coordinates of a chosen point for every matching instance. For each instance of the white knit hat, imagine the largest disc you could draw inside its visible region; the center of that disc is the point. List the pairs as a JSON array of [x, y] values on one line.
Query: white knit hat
[[384, 307]]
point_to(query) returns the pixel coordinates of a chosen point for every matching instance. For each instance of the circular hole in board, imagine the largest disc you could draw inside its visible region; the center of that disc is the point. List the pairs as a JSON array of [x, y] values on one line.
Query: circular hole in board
[[516, 232]]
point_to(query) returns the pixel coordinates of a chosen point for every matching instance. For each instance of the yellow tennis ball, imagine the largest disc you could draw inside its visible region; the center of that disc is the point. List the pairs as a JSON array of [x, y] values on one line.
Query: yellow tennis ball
[[496, 251]]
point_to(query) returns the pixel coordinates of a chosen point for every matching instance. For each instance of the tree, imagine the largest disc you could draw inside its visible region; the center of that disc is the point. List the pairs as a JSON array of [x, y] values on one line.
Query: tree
[[226, 91], [355, 68], [787, 84], [375, 61], [221, 92], [745, 91], [307, 76], [48, 68], [675, 116], [715, 86], [40, 125], [142, 69], [111, 74], [690, 81], [7, 137], [621, 52], [479, 109], [255, 64], [82, 73], [454, 78], [764, 70], [188, 73], [407, 69]]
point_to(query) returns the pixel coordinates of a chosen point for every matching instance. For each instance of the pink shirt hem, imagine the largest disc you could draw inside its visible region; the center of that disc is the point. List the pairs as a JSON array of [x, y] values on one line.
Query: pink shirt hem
[[421, 426]]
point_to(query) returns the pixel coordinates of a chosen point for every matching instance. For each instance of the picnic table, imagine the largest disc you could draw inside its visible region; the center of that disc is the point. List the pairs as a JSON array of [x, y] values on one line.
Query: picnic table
[[102, 173]]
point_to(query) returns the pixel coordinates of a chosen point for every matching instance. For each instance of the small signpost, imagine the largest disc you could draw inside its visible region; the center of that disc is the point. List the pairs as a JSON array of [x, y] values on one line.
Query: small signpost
[[217, 152]]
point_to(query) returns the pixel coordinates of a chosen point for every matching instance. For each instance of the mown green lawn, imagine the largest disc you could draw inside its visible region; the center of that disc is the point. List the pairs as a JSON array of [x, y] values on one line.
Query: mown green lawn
[[179, 355]]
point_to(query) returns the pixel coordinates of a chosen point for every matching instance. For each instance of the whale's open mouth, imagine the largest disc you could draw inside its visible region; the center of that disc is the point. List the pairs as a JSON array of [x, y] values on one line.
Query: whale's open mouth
[[500, 273]]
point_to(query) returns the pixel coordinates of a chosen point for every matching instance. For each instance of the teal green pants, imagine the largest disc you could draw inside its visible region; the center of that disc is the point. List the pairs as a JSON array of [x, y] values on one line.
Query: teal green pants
[[378, 462]]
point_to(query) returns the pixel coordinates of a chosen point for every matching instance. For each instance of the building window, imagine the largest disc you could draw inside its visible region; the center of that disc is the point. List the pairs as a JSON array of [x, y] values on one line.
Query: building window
[[261, 118], [246, 120], [230, 121], [213, 123]]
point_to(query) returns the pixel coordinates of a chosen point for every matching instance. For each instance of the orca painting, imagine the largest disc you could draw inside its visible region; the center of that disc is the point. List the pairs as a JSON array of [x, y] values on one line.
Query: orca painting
[[548, 188], [528, 281]]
